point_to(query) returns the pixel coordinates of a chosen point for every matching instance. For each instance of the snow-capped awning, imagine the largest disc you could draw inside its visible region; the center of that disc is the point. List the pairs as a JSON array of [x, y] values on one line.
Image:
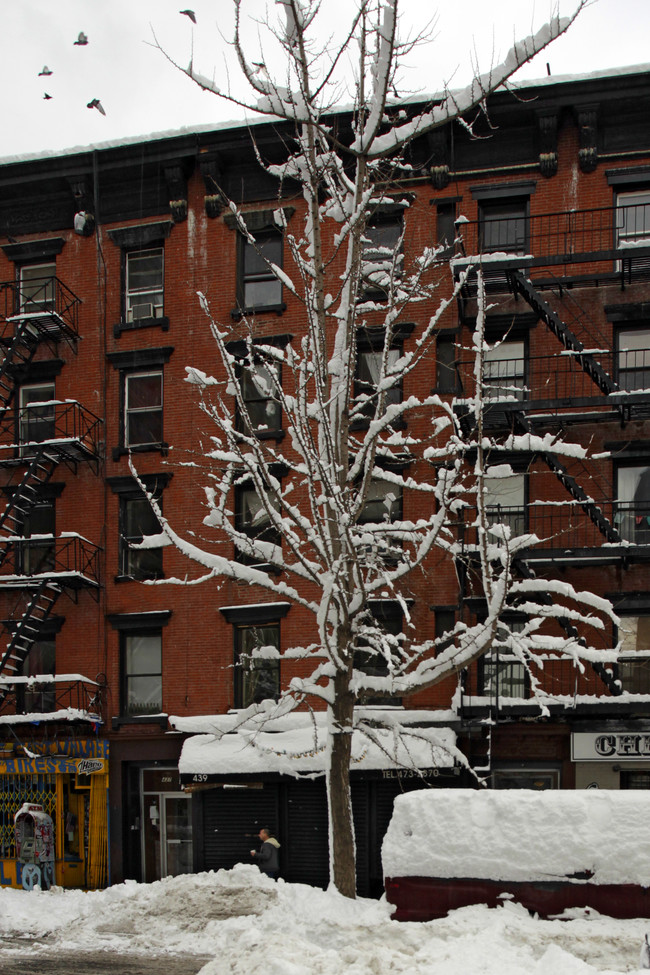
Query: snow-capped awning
[[304, 750]]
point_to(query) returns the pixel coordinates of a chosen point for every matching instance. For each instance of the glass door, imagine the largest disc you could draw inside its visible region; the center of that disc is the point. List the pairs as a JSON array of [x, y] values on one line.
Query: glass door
[[167, 829]]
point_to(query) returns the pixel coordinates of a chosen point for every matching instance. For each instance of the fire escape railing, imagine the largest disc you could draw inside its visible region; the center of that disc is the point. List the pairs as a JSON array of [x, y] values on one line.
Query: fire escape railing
[[47, 694], [50, 305]]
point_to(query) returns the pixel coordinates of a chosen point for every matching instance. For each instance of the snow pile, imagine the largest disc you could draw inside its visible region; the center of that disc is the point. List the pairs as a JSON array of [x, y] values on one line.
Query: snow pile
[[239, 922], [520, 835]]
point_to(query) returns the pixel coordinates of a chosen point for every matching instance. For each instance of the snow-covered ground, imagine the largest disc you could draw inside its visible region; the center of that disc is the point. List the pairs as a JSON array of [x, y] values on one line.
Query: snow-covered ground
[[248, 923]]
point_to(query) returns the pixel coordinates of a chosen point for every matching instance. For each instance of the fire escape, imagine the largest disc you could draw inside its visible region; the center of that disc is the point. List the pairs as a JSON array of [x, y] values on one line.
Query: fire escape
[[584, 379], [35, 440]]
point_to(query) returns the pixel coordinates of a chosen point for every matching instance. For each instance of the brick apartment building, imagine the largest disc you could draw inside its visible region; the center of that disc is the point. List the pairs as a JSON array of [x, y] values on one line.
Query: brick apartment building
[[101, 255]]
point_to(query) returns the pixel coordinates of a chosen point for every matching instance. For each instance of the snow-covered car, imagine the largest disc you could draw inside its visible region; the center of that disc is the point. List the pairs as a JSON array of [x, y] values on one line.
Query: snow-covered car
[[550, 851]]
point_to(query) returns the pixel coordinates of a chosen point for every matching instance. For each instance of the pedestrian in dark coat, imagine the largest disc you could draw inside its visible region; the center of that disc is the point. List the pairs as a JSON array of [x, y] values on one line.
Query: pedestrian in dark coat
[[268, 856]]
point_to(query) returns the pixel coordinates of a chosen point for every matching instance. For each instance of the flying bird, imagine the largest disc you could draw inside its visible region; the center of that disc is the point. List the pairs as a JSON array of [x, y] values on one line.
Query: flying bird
[[190, 14], [95, 103], [82, 39], [46, 96], [46, 71]]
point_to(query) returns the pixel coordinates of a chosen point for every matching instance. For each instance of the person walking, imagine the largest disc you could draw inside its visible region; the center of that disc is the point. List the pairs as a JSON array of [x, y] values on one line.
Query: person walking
[[268, 856]]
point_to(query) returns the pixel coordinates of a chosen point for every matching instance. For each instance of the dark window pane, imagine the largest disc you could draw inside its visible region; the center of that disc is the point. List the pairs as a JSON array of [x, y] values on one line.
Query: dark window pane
[[144, 391], [503, 227], [143, 673], [144, 428], [634, 358], [446, 364], [260, 285], [258, 662]]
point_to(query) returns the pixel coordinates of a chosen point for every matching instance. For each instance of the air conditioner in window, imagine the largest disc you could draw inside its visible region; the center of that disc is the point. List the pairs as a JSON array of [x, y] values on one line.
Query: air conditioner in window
[[136, 312]]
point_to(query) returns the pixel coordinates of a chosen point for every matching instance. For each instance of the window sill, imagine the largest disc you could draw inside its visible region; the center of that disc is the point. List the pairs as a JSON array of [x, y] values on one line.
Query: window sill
[[119, 579], [238, 313], [120, 722], [162, 323], [161, 448]]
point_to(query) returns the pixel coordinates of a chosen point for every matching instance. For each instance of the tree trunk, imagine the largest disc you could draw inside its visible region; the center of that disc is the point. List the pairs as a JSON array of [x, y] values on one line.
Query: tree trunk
[[341, 824]]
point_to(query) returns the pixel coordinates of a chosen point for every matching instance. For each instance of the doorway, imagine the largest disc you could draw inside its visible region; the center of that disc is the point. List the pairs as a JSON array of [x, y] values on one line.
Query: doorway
[[167, 825]]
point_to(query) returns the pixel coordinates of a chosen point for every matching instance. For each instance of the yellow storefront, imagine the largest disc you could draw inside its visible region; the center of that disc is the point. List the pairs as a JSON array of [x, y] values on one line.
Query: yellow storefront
[[69, 779]]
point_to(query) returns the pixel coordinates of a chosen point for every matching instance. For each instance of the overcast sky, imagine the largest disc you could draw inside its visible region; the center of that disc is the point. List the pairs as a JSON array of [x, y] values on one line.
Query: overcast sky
[[141, 92]]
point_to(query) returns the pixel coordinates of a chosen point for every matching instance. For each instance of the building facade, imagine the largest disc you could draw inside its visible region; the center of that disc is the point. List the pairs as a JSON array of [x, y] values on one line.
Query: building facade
[[104, 676]]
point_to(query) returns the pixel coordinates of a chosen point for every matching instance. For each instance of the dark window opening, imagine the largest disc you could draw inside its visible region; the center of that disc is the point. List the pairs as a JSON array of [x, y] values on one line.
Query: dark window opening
[[41, 660], [373, 660], [503, 226], [632, 508], [259, 286], [257, 663], [369, 364], [138, 520], [260, 382], [142, 673], [37, 288], [446, 377], [381, 256]]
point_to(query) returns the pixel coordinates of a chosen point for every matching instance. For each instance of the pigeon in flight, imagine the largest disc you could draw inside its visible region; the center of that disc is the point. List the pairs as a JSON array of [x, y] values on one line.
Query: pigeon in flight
[[95, 103], [46, 96], [82, 39], [190, 14], [46, 71]]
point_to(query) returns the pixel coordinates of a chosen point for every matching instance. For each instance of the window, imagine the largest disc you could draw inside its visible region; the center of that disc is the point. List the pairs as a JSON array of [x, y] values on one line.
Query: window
[[504, 675], [446, 228], [253, 519], [372, 658], [37, 555], [143, 401], [260, 288], [632, 508], [259, 384], [503, 225], [383, 502], [142, 672], [632, 217], [257, 663], [37, 288], [634, 659], [369, 362], [504, 371], [505, 502], [446, 378], [144, 284], [381, 257], [633, 358], [36, 413], [137, 521], [41, 660]]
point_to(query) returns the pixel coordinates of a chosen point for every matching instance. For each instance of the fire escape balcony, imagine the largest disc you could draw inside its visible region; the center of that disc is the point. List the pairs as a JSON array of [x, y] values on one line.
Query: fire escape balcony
[[61, 428], [501, 685], [586, 245], [48, 306], [67, 561], [559, 387], [568, 531], [47, 697]]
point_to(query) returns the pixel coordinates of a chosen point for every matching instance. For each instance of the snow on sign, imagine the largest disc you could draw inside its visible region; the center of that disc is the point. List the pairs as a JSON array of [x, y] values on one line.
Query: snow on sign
[[549, 850]]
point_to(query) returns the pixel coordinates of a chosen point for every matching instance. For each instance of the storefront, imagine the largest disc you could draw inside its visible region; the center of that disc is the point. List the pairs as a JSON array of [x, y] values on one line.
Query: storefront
[[277, 779], [612, 757], [68, 779]]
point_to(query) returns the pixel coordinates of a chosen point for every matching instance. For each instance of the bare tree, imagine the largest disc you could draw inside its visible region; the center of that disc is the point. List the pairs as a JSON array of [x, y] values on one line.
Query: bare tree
[[326, 516]]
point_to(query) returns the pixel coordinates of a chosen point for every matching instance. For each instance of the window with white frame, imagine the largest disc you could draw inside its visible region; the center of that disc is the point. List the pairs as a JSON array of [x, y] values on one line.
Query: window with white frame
[[504, 370], [143, 408], [632, 217], [634, 658], [36, 414], [632, 507], [144, 284], [37, 288], [633, 357], [505, 501]]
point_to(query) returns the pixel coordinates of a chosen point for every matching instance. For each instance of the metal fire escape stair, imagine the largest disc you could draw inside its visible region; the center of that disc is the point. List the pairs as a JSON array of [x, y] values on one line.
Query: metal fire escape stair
[[19, 354], [27, 493], [30, 625], [522, 286], [570, 484]]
